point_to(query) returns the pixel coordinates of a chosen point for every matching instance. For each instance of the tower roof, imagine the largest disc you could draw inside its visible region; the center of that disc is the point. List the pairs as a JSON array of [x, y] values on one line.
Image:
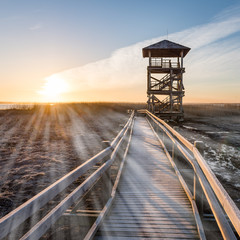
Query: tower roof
[[165, 48]]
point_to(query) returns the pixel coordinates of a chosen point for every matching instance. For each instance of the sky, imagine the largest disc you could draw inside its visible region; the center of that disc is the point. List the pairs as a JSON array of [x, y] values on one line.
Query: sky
[[75, 51]]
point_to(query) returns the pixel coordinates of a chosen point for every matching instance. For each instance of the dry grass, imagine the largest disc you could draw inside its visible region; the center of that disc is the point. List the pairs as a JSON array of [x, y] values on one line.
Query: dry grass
[[210, 110]]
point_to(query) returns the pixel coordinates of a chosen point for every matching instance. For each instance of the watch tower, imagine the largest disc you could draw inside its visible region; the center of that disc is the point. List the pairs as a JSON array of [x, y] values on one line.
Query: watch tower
[[165, 88]]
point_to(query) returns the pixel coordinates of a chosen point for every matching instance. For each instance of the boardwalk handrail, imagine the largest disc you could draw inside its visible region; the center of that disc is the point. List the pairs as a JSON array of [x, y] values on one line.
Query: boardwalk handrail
[[186, 189], [212, 188], [109, 203], [12, 220]]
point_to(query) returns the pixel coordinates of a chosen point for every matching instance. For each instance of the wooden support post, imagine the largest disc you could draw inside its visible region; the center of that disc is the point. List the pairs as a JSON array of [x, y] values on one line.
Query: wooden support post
[[200, 146], [173, 151], [150, 59], [163, 138], [106, 177], [105, 144], [148, 81], [181, 59], [180, 89], [148, 103], [108, 183], [156, 128], [170, 88], [198, 192], [194, 186]]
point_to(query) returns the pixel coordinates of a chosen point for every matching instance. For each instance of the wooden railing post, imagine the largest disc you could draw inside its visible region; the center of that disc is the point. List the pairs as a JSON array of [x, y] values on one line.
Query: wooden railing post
[[105, 144], [106, 178], [173, 151], [194, 186], [163, 138], [200, 146], [198, 192]]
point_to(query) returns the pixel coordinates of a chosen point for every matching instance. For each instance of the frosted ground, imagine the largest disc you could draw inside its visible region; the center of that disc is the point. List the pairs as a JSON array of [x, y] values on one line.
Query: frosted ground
[[218, 126], [39, 146]]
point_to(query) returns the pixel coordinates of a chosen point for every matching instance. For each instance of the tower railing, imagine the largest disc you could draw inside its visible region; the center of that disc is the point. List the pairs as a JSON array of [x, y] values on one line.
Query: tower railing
[[164, 63]]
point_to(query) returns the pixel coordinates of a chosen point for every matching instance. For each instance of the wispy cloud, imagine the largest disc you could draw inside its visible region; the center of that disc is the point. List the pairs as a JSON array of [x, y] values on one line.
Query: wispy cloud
[[35, 27], [214, 58]]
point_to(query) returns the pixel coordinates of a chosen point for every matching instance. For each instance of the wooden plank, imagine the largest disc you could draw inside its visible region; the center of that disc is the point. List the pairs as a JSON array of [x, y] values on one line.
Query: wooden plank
[[108, 237], [155, 204], [156, 218], [159, 205], [171, 214], [149, 234], [149, 230], [160, 223], [162, 196], [151, 224], [84, 211], [160, 210], [147, 225], [165, 208]]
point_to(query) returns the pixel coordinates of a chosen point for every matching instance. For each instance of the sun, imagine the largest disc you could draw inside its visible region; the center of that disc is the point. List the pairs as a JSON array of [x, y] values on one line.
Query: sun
[[53, 88]]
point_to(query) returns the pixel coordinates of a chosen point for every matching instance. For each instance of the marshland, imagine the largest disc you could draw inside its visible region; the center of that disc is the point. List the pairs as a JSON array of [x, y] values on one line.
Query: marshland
[[42, 143]]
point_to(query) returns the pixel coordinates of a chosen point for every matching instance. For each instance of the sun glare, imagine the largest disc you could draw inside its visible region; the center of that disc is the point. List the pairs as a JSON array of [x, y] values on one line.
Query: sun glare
[[53, 88]]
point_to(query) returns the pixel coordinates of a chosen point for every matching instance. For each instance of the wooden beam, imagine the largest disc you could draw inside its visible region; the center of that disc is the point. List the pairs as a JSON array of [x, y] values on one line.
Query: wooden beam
[[150, 59], [181, 59]]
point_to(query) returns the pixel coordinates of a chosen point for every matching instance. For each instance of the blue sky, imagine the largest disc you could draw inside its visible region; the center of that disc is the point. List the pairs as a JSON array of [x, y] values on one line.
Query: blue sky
[[96, 28], [41, 38]]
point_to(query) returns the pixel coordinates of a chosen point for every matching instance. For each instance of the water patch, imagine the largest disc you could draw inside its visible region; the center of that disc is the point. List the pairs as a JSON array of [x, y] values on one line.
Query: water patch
[[16, 106], [217, 132], [189, 127]]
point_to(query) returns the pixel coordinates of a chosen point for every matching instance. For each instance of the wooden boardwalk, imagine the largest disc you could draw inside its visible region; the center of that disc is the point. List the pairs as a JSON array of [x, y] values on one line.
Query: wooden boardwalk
[[150, 203]]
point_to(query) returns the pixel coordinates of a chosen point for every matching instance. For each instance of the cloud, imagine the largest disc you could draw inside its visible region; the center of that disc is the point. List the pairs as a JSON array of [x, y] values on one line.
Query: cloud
[[213, 59], [35, 27]]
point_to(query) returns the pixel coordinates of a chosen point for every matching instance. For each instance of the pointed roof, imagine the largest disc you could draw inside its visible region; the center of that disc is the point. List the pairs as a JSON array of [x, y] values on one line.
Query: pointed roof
[[165, 48]]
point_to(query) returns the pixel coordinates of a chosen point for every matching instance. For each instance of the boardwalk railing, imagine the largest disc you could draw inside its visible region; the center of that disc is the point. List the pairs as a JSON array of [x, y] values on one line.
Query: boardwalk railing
[[28, 209], [225, 212]]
